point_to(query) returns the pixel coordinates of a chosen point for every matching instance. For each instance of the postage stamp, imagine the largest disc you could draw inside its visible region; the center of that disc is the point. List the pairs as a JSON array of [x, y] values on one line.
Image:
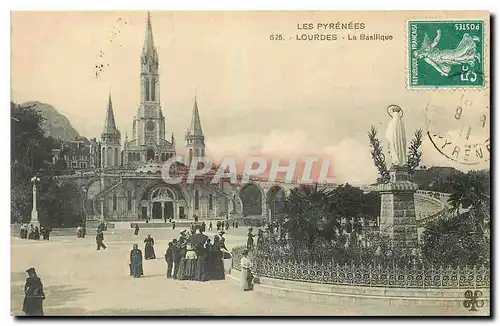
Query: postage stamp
[[446, 54]]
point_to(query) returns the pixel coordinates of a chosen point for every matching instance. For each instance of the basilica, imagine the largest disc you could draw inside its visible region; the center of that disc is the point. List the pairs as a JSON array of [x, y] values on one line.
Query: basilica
[[127, 185], [130, 186]]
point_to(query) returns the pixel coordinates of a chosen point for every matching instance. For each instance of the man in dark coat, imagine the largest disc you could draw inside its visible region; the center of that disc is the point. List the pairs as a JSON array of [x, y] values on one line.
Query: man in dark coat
[[203, 226], [136, 229], [210, 226], [33, 294], [99, 238], [169, 258], [176, 257], [250, 239]]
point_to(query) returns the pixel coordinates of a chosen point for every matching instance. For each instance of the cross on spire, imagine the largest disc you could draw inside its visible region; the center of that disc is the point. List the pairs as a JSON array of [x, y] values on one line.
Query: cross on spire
[[149, 49]]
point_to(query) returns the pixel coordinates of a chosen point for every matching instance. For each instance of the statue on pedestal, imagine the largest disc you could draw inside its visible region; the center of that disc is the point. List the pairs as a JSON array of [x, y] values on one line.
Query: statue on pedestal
[[396, 137]]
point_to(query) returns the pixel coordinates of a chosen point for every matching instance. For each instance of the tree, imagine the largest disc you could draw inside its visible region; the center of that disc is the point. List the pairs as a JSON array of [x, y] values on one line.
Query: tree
[[454, 241], [414, 152], [371, 205], [347, 201], [378, 155], [31, 154], [27, 157], [471, 191], [307, 208]]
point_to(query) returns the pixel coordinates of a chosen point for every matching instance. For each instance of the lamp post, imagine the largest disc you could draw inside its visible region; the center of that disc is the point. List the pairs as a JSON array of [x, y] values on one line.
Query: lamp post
[[34, 211]]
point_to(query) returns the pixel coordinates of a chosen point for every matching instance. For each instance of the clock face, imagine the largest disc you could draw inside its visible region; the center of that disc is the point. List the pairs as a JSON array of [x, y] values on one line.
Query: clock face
[[150, 125]]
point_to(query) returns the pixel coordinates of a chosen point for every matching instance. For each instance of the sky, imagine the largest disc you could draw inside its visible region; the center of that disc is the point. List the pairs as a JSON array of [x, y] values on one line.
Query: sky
[[255, 96]]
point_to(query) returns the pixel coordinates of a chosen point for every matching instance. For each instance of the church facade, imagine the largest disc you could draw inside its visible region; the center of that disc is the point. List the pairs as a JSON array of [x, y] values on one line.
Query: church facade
[[129, 185]]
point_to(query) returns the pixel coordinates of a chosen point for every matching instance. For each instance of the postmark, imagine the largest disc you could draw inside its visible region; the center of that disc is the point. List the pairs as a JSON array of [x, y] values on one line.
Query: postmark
[[446, 54], [458, 127]]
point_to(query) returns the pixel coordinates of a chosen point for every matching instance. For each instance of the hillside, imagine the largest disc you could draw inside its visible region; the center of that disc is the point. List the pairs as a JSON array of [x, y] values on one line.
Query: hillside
[[55, 125]]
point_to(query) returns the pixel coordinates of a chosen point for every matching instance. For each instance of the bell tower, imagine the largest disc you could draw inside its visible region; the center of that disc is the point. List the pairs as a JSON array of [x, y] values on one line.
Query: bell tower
[[110, 139], [150, 122], [195, 140]]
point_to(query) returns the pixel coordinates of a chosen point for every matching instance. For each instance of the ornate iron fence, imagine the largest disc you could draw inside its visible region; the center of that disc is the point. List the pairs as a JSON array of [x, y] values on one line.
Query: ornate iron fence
[[418, 277]]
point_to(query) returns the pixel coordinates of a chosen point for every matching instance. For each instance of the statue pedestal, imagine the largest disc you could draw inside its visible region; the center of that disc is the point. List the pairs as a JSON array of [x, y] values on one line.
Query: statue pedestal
[[397, 211], [34, 218]]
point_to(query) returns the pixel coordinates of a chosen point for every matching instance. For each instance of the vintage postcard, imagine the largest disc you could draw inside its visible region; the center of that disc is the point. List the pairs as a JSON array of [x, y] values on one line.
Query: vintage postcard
[[248, 163]]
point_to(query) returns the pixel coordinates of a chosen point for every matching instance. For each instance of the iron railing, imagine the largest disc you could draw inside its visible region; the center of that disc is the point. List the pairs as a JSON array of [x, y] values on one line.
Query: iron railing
[[417, 276]]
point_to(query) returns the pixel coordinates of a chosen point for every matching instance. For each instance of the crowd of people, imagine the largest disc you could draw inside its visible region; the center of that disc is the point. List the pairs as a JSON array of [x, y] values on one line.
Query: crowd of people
[[34, 233], [193, 256]]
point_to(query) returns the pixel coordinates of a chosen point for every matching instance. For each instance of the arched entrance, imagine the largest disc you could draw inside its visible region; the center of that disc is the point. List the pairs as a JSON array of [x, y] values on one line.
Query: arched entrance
[[150, 193], [275, 201], [150, 154], [164, 204], [251, 198]]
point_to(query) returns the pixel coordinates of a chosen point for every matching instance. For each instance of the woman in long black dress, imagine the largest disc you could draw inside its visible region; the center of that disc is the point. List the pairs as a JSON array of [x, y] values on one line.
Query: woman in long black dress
[[149, 250], [136, 262], [201, 264], [218, 264], [33, 294]]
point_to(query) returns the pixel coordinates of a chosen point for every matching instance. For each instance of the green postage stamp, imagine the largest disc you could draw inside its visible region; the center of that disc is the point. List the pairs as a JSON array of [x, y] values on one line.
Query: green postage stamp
[[446, 54]]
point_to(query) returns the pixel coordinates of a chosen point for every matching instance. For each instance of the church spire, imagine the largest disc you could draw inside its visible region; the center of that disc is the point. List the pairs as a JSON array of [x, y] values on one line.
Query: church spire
[[109, 123], [148, 49], [195, 129]]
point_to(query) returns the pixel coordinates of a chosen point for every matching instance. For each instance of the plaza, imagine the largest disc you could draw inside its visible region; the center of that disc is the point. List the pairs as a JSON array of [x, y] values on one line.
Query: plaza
[[79, 280]]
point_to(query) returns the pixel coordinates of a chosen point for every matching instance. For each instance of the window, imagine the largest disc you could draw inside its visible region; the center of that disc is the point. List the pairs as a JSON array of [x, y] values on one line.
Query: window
[[146, 91], [196, 200], [115, 204], [210, 202], [74, 164], [83, 165], [153, 90], [109, 157], [129, 200], [150, 126]]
